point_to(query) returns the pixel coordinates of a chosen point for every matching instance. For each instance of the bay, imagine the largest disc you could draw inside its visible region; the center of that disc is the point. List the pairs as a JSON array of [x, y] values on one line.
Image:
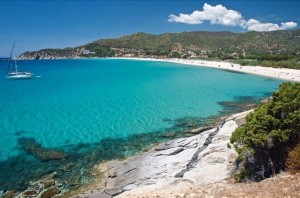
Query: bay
[[78, 106]]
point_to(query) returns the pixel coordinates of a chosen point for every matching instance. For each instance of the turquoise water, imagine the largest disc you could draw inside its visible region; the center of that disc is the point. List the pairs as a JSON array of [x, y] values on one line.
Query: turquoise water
[[86, 102]]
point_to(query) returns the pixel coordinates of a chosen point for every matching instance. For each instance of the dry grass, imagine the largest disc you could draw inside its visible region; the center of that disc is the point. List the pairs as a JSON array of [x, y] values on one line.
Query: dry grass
[[282, 185]]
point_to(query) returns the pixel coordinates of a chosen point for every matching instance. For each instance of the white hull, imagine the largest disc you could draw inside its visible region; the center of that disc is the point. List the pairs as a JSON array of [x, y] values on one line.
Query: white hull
[[19, 76]]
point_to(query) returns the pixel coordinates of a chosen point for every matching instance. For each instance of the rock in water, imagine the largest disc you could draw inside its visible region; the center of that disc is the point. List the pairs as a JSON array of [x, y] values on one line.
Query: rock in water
[[47, 154], [67, 167], [9, 194], [170, 134], [48, 183], [31, 146], [74, 181], [50, 192], [199, 130], [30, 193]]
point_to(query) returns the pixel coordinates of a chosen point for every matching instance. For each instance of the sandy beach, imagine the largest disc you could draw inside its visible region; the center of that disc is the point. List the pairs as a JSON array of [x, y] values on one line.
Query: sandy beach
[[292, 75]]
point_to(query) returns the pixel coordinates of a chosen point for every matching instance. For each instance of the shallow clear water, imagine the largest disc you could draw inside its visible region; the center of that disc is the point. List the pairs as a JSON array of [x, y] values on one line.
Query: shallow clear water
[[84, 102]]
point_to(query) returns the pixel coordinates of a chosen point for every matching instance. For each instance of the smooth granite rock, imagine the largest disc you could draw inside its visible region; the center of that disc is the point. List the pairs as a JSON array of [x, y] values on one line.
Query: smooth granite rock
[[199, 130], [113, 191], [202, 158]]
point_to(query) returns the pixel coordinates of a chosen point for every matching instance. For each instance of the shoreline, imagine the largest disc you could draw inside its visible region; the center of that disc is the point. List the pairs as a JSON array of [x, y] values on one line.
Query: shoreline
[[285, 74], [181, 154], [176, 164], [97, 173], [292, 75]]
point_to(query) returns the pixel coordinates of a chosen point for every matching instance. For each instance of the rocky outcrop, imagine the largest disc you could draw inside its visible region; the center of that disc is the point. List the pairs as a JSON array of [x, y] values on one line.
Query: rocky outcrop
[[203, 158], [47, 186], [51, 192], [8, 194]]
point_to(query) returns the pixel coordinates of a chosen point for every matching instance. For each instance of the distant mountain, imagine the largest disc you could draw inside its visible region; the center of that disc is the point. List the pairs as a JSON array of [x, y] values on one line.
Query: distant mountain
[[4, 58], [221, 45]]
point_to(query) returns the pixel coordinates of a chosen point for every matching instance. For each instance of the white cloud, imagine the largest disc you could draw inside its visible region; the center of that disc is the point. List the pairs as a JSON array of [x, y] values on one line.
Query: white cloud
[[288, 25], [254, 25], [186, 18], [221, 15], [215, 14]]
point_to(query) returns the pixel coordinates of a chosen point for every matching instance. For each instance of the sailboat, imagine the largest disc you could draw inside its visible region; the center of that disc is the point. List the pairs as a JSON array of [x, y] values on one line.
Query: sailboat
[[12, 69]]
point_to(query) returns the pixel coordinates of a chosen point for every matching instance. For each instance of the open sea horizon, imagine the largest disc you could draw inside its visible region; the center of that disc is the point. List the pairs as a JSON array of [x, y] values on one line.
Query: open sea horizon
[[102, 109]]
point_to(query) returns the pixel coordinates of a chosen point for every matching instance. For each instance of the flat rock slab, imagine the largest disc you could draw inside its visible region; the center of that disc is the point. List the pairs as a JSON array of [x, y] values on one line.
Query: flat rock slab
[[113, 191], [156, 169]]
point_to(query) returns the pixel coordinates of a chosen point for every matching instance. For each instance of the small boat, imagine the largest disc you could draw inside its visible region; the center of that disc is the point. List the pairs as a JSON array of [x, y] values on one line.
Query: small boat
[[19, 75], [12, 69]]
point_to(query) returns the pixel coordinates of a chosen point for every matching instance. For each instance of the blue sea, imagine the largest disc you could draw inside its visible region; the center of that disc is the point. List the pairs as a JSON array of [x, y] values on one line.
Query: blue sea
[[102, 109]]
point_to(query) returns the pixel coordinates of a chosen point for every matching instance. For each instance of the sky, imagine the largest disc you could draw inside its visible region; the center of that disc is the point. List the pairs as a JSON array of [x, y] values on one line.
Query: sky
[[39, 24]]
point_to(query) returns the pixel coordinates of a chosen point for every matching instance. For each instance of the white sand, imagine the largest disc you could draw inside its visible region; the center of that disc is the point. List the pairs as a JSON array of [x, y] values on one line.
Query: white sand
[[276, 73]]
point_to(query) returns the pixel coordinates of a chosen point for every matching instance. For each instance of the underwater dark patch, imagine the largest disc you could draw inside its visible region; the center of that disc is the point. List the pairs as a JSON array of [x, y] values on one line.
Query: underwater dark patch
[[235, 72], [241, 103]]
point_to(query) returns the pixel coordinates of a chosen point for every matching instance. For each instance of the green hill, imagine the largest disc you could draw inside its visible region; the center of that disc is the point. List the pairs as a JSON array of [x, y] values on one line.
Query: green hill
[[247, 48]]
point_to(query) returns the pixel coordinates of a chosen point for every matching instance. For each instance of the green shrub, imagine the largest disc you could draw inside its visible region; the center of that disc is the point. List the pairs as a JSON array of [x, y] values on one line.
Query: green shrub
[[270, 131]]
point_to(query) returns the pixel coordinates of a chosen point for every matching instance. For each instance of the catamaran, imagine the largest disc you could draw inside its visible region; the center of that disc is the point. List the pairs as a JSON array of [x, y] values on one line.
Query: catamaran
[[12, 69]]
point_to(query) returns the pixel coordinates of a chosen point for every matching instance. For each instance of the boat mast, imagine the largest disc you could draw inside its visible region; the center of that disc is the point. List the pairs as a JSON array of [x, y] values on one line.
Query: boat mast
[[16, 66], [10, 58]]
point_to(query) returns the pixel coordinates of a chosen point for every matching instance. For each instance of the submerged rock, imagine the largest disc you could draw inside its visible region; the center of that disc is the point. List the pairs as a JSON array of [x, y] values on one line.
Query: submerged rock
[[48, 183], [74, 181], [47, 154], [67, 167], [50, 192], [30, 193], [170, 134], [31, 146], [167, 120], [199, 130], [49, 176], [242, 104], [9, 194]]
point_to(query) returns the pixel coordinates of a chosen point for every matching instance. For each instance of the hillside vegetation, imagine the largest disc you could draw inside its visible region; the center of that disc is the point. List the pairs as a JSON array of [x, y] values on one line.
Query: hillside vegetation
[[278, 48], [269, 142]]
